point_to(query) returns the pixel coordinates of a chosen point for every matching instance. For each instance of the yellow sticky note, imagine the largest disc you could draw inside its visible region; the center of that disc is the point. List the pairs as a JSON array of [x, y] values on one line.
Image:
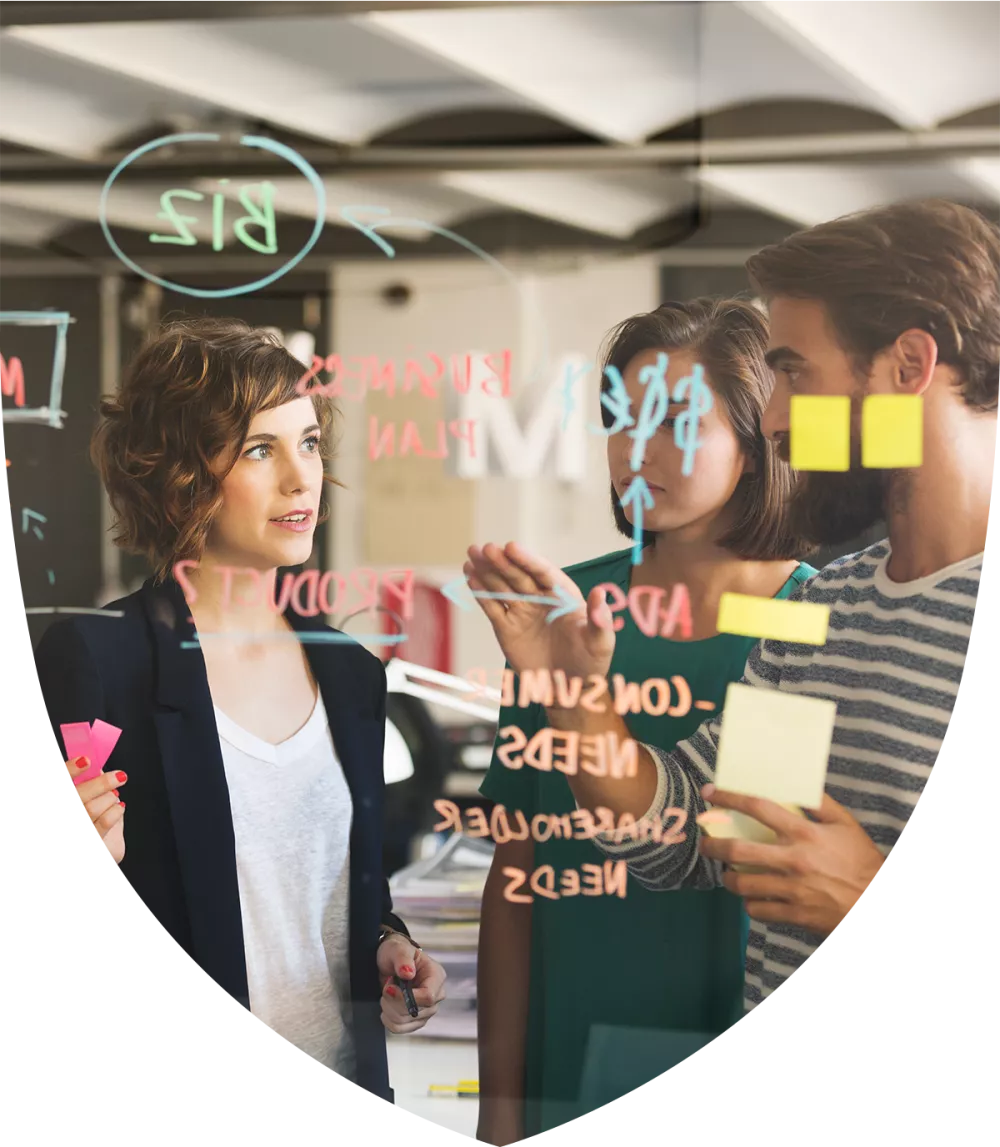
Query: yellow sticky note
[[892, 431], [749, 616], [775, 745], [728, 824], [820, 432]]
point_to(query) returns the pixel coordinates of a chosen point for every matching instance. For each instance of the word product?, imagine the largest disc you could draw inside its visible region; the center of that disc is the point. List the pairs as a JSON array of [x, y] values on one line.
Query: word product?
[[609, 880], [382, 440], [581, 824], [487, 373], [397, 584], [258, 215], [555, 689], [599, 754]]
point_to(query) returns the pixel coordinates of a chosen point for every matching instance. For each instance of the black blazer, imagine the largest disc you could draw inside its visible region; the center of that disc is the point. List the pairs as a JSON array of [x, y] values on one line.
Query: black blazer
[[180, 851]]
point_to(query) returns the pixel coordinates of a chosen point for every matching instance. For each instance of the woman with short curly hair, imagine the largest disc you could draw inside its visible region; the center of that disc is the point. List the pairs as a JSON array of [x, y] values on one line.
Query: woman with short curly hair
[[252, 735]]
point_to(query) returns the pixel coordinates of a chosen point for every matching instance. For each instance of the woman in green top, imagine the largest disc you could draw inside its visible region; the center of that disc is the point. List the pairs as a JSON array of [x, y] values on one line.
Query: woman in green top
[[552, 970]]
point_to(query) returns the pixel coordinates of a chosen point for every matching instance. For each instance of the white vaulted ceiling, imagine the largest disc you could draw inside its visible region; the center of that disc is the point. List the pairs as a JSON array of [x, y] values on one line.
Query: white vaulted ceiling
[[621, 74]]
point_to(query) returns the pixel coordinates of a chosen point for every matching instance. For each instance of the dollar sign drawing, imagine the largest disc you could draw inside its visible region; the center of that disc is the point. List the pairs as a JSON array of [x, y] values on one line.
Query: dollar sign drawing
[[686, 424], [655, 402]]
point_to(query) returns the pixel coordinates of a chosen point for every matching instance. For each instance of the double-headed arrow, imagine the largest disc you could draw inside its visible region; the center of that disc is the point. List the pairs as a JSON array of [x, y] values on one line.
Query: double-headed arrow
[[458, 592]]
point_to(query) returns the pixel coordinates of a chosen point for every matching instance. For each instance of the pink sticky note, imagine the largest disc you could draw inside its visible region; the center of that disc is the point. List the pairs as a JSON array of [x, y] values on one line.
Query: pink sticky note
[[97, 743], [103, 738]]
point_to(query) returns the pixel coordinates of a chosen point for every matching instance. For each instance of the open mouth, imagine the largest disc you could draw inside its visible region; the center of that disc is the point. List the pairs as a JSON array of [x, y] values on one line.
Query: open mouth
[[296, 520]]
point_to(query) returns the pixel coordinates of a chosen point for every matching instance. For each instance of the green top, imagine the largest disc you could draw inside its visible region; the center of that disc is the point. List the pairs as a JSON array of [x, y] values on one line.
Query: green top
[[670, 962]]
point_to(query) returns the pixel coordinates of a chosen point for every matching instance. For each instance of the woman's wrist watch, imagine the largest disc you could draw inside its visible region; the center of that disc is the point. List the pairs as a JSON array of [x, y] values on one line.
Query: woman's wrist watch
[[386, 932]]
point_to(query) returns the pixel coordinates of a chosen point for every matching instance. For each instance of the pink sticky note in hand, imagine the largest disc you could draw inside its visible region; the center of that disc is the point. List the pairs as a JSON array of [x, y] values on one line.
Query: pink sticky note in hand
[[80, 739]]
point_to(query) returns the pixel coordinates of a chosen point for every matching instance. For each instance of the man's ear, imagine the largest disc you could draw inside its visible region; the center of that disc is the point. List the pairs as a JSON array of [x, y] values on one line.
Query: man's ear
[[914, 359]]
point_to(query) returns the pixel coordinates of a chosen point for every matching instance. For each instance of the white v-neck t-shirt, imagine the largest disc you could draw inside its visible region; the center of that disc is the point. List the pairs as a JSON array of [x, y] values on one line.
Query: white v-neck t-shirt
[[292, 811]]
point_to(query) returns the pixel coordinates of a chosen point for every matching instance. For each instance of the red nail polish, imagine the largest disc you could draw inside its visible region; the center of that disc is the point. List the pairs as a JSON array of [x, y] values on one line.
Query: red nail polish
[[121, 777], [122, 803], [406, 970], [82, 762], [115, 791], [390, 990]]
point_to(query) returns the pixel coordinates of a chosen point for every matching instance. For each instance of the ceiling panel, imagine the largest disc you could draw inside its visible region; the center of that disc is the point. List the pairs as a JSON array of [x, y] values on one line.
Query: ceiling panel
[[57, 104], [808, 193], [322, 77], [613, 205], [26, 227], [617, 71], [919, 62]]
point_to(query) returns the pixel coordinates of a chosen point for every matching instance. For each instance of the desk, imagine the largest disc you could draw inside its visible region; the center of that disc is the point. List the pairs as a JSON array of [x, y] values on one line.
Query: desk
[[415, 1062]]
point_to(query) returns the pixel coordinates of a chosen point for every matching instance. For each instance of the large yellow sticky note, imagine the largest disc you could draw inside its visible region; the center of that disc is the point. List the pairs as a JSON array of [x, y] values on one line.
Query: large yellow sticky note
[[820, 432], [892, 431], [749, 616], [775, 745]]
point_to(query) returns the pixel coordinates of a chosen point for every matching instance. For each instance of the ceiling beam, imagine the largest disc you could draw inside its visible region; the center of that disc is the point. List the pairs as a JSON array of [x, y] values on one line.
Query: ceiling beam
[[236, 161], [43, 265], [27, 14]]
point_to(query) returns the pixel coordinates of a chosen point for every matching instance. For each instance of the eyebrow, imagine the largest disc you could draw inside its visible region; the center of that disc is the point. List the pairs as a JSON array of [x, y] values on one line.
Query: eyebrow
[[274, 437], [782, 354]]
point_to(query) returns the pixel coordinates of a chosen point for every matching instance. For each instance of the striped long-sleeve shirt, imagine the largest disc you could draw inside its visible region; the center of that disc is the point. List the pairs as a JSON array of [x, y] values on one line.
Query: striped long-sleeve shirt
[[892, 663]]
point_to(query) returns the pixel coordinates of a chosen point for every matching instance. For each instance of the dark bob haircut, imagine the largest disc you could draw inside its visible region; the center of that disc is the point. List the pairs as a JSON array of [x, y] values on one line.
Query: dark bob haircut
[[729, 339], [187, 399]]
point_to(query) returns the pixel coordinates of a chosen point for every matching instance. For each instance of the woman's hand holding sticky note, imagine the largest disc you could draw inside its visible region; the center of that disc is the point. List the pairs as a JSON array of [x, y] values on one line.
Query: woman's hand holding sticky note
[[97, 742]]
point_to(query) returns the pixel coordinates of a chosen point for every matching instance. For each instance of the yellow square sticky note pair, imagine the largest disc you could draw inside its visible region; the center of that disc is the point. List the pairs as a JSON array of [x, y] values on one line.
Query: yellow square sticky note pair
[[749, 616], [775, 745], [892, 431]]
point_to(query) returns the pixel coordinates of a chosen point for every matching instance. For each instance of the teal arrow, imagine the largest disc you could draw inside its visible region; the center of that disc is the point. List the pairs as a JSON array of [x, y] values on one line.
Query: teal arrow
[[458, 593], [637, 493], [26, 516]]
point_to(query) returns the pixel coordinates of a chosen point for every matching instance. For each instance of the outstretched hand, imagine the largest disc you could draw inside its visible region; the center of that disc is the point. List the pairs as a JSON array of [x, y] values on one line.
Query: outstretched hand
[[579, 642]]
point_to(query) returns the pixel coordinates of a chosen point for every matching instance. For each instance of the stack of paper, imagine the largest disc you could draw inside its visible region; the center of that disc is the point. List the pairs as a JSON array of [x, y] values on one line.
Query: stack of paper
[[440, 899]]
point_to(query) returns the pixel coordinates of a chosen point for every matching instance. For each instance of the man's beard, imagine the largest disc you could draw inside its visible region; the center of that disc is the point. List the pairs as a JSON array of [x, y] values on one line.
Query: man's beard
[[828, 508]]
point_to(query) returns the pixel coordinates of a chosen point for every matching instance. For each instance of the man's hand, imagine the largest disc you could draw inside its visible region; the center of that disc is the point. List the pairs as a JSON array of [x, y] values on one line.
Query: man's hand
[[817, 870], [398, 957], [579, 643]]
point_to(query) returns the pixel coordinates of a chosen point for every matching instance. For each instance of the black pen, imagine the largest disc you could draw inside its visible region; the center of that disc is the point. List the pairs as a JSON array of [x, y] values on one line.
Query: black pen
[[411, 1003]]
